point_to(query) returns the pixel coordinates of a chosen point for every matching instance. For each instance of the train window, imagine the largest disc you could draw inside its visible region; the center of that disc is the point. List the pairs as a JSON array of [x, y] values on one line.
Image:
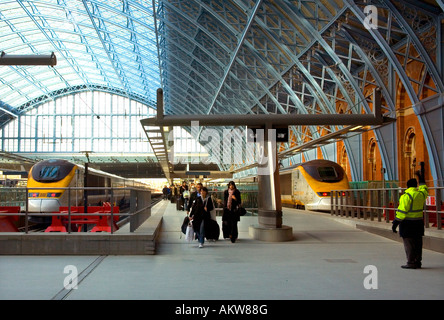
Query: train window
[[51, 170], [327, 173], [49, 173]]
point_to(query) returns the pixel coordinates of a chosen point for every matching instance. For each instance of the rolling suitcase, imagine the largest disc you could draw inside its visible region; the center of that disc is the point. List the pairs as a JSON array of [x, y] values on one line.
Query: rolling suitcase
[[179, 202], [212, 230]]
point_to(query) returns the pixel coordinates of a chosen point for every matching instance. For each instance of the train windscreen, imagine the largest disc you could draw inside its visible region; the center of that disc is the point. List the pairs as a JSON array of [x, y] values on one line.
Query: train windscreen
[[327, 174], [51, 171], [324, 170]]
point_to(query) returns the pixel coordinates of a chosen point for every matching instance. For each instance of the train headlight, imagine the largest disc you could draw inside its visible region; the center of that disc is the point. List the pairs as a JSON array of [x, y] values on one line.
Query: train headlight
[[44, 195], [324, 194], [53, 195]]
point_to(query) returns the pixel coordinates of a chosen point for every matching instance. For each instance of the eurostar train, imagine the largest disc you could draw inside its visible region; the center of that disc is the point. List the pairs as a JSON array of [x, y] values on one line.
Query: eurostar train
[[308, 185], [56, 173]]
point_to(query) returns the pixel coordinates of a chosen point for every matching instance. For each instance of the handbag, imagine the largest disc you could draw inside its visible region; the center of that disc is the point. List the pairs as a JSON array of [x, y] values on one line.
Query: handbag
[[185, 222], [212, 212], [189, 236], [241, 210]]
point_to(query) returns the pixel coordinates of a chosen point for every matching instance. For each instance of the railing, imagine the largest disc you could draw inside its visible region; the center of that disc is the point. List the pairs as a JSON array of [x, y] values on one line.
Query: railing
[[248, 198], [139, 204], [12, 196], [381, 204]]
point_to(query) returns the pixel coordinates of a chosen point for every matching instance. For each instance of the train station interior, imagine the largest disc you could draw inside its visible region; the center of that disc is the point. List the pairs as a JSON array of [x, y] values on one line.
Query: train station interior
[[118, 118]]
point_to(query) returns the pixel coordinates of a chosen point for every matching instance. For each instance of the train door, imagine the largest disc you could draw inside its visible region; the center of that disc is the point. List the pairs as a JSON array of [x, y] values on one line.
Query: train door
[[296, 193], [79, 184]]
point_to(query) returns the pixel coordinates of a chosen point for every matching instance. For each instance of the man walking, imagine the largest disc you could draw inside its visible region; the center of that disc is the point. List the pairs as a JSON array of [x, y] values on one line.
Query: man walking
[[409, 217]]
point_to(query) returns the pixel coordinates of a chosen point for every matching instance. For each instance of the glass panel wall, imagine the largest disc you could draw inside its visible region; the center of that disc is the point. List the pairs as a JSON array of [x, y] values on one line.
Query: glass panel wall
[[87, 121]]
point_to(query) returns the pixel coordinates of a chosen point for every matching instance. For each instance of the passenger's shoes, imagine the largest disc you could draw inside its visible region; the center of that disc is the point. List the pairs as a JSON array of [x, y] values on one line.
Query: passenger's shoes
[[200, 245], [409, 267]]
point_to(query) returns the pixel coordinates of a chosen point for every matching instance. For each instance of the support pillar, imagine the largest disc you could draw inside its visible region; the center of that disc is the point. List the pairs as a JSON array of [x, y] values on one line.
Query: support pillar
[[270, 227]]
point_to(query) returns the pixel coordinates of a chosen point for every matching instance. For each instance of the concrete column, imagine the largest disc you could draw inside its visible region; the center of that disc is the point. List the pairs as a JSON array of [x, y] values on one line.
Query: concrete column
[[270, 227], [269, 200]]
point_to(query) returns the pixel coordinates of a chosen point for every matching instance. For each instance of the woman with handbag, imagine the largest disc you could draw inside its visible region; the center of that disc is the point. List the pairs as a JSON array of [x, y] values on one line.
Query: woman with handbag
[[200, 214], [212, 229], [230, 217]]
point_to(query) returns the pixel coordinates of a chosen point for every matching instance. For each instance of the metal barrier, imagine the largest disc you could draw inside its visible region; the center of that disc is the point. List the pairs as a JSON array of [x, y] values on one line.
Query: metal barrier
[[248, 198], [12, 196], [139, 208], [382, 204]]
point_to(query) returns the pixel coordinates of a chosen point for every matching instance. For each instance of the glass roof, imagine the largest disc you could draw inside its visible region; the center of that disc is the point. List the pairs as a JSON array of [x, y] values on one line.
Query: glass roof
[[98, 44], [228, 56]]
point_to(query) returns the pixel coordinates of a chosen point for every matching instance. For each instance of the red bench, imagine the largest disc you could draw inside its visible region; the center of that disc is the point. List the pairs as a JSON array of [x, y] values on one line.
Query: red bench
[[7, 222], [102, 222]]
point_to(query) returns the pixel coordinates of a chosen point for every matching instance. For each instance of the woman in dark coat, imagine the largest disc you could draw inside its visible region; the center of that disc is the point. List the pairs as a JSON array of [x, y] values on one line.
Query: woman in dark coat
[[230, 217], [200, 214]]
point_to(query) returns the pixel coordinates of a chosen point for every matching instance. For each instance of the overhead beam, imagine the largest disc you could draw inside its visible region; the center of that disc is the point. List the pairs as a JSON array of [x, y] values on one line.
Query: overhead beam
[[235, 53], [28, 60], [261, 119], [375, 118]]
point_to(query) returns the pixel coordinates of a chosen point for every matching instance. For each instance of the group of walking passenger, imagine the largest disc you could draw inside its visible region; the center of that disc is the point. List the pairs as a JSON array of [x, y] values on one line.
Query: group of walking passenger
[[201, 213]]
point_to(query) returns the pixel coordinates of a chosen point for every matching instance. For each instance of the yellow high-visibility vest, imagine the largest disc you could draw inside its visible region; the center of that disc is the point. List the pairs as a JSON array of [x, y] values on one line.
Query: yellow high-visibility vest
[[411, 203]]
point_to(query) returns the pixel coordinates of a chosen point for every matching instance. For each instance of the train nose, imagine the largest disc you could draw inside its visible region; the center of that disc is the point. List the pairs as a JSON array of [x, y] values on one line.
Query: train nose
[[34, 205], [50, 205], [43, 205], [323, 204]]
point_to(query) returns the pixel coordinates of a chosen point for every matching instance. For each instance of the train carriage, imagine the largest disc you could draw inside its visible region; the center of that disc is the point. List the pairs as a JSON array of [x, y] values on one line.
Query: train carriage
[[308, 185], [56, 173]]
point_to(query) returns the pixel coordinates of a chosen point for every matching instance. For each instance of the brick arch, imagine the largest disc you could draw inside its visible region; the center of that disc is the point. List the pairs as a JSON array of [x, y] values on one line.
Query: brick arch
[[409, 149]]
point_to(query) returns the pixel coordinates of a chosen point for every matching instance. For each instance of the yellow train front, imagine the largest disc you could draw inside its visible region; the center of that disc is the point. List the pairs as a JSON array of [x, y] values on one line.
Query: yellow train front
[[308, 185], [52, 174], [56, 173]]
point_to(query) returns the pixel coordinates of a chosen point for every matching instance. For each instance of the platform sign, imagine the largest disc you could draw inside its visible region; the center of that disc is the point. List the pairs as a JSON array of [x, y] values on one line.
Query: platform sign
[[198, 174], [431, 201], [282, 134]]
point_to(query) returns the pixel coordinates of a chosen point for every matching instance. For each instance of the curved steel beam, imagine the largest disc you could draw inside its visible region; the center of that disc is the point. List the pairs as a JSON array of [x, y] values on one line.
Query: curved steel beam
[[418, 45], [435, 165], [234, 54]]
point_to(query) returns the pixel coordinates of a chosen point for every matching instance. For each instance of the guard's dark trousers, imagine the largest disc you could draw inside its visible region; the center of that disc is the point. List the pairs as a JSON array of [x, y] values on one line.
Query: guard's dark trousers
[[413, 251]]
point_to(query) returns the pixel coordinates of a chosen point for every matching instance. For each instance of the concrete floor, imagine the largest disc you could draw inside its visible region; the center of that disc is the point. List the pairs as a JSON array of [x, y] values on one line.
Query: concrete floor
[[326, 260]]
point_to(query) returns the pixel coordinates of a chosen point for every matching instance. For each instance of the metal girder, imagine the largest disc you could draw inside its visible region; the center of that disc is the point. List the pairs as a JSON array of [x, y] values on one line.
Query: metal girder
[[441, 4], [418, 46], [27, 60], [390, 52], [110, 51], [261, 119], [66, 28], [232, 57], [54, 40], [234, 54]]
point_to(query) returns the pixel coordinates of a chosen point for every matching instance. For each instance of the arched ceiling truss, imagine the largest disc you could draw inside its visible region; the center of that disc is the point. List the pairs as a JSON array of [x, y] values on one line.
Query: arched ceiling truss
[[302, 56], [236, 57]]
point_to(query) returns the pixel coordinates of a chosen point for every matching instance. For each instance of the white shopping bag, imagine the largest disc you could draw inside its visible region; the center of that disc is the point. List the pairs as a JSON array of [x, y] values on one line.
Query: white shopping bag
[[189, 236]]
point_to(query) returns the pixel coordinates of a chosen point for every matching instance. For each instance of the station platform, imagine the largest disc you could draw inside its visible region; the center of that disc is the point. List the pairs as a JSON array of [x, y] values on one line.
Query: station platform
[[327, 260]]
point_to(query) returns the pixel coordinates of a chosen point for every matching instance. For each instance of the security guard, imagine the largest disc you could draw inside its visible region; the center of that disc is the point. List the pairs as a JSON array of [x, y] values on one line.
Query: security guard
[[409, 217]]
